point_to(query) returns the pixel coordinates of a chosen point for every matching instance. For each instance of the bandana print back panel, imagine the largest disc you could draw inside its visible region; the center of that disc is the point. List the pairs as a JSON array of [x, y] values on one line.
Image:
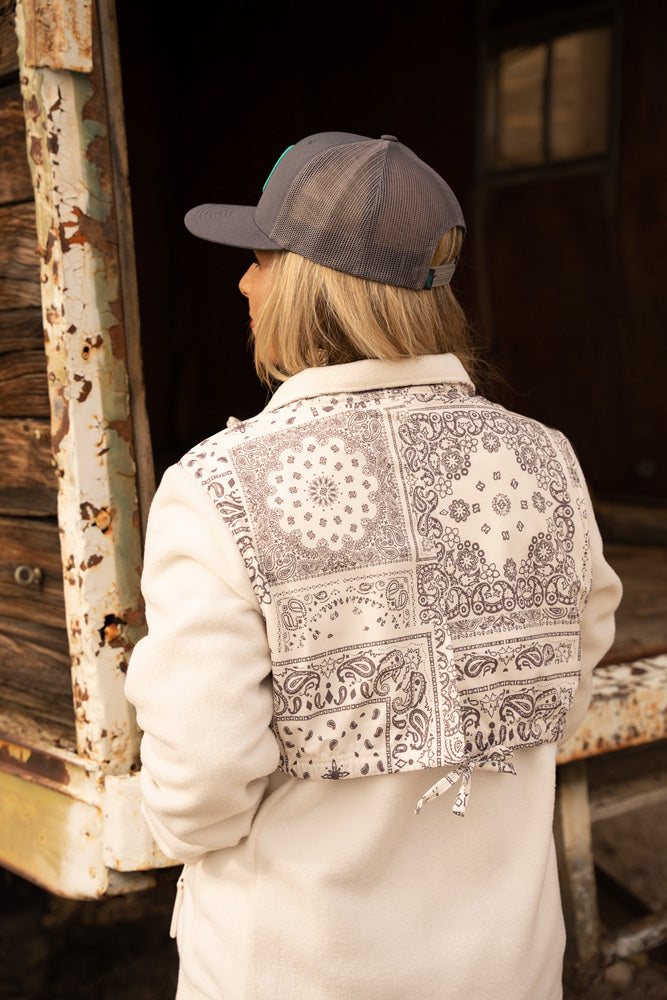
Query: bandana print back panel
[[420, 557]]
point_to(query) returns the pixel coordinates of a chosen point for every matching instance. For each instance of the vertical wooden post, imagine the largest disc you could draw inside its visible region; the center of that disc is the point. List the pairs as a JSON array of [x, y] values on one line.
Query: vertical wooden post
[[572, 832], [119, 164], [76, 166]]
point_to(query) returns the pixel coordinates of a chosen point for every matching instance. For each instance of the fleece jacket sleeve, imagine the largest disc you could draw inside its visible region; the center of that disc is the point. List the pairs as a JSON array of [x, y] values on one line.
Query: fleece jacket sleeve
[[200, 680], [597, 623]]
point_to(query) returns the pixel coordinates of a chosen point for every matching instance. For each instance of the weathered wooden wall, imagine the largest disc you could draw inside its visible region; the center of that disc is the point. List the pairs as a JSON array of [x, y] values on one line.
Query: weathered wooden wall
[[71, 413], [573, 270], [564, 275], [34, 661]]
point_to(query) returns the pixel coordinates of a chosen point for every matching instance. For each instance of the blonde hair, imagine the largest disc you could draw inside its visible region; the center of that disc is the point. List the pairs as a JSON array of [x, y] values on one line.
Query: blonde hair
[[313, 316]]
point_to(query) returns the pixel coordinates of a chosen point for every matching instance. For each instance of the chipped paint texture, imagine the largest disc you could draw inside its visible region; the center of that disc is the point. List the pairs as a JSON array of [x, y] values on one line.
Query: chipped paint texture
[[628, 708], [58, 769], [128, 845], [69, 826], [57, 841], [89, 397], [58, 34]]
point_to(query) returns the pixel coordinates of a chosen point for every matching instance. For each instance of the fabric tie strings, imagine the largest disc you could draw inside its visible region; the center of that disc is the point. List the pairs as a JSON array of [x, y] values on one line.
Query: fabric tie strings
[[499, 758]]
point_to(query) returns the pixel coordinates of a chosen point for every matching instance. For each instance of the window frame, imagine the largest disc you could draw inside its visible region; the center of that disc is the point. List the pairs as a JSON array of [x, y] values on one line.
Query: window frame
[[493, 41]]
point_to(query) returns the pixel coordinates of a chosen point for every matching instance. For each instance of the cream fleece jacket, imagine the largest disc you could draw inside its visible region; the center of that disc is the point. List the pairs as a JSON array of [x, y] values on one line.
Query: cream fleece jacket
[[328, 889]]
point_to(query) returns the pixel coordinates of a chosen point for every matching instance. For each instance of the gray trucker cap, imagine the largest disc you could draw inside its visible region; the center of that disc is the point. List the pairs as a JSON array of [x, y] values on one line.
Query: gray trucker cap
[[367, 207]]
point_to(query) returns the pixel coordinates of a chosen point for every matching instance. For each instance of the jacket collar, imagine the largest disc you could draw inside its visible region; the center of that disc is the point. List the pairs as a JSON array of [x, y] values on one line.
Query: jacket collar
[[371, 373]]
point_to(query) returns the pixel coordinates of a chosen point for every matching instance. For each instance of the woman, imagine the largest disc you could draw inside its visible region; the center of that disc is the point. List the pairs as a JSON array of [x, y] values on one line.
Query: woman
[[376, 587]]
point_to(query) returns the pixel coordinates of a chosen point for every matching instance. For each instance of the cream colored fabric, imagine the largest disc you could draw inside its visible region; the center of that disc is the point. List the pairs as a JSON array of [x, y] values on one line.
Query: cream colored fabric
[[307, 886]]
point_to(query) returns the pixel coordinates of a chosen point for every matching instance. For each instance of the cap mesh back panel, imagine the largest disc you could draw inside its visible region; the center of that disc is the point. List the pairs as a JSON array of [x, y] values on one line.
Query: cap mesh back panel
[[370, 210]]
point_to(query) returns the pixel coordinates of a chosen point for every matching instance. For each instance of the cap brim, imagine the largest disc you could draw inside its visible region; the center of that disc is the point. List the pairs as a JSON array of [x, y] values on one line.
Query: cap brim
[[232, 225]]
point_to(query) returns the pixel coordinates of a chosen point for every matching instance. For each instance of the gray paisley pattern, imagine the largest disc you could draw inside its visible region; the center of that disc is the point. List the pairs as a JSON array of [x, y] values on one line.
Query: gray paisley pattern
[[419, 555]]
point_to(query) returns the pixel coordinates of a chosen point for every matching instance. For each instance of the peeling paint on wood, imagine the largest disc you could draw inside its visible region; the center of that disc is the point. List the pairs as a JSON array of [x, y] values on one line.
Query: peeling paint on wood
[[91, 425], [128, 845]]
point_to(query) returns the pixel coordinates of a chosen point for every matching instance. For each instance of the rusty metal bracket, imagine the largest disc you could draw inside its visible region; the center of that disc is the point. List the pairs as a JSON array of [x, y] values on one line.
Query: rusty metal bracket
[[70, 827], [59, 34]]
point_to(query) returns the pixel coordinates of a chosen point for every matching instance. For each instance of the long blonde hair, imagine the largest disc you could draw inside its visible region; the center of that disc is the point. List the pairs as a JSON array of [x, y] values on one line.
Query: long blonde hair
[[313, 316]]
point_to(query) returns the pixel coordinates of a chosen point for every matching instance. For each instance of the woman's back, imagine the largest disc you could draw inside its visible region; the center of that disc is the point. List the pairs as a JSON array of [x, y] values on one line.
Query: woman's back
[[380, 591], [355, 898], [421, 559]]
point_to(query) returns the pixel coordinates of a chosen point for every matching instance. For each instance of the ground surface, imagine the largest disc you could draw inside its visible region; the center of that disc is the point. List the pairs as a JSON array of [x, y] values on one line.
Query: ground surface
[[58, 949]]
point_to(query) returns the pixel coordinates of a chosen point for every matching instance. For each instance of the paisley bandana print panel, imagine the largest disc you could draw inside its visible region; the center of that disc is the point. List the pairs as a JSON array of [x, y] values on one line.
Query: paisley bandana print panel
[[420, 556]]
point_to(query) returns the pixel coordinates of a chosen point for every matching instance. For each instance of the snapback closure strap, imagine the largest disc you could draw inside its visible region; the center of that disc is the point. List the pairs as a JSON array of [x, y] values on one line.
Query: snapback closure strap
[[440, 275]]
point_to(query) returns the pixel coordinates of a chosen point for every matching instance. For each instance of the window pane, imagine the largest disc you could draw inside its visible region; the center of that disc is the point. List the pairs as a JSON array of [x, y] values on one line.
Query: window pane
[[520, 108], [580, 94]]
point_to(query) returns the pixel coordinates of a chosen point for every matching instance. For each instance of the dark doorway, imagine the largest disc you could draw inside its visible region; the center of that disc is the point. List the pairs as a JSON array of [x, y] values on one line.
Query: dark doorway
[[210, 104]]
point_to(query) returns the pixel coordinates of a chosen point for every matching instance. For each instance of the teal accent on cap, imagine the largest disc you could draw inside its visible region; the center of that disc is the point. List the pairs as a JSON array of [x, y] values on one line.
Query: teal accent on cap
[[275, 165], [429, 279]]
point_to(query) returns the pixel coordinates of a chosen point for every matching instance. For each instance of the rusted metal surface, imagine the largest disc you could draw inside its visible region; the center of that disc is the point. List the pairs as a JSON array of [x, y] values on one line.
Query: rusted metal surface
[[70, 827], [33, 764], [628, 708], [61, 770], [57, 840], [91, 426], [53, 839], [58, 34]]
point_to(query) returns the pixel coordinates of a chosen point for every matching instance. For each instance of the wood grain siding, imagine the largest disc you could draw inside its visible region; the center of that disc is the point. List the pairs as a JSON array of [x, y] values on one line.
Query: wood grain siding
[[23, 388], [9, 62], [35, 669], [21, 330], [23, 385], [33, 543], [15, 183], [28, 485], [19, 263]]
